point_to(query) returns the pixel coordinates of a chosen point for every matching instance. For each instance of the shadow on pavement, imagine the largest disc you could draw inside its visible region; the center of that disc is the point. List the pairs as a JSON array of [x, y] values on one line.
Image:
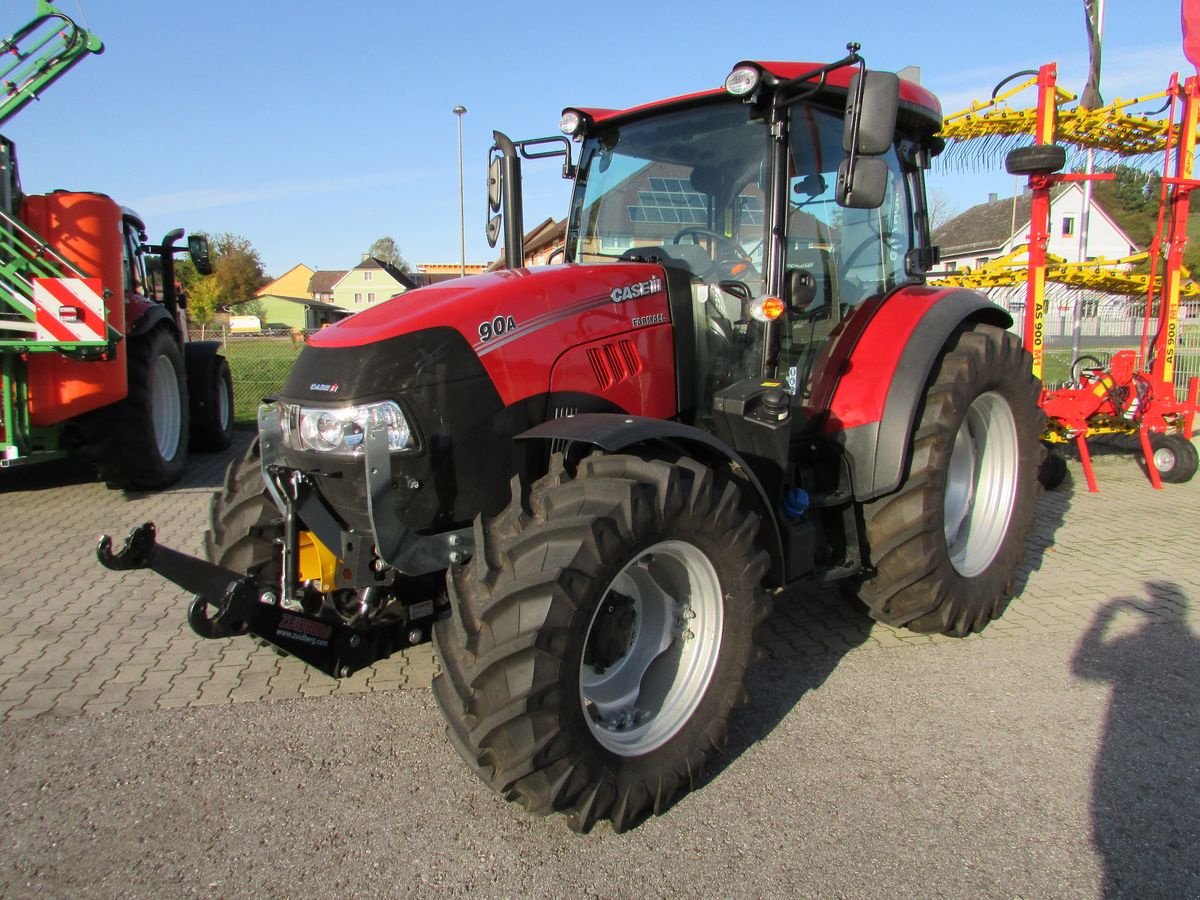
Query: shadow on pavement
[[1051, 512], [1146, 784], [812, 628], [204, 470]]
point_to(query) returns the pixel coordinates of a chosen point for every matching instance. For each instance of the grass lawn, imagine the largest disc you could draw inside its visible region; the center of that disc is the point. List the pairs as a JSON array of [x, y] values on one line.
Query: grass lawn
[[259, 366]]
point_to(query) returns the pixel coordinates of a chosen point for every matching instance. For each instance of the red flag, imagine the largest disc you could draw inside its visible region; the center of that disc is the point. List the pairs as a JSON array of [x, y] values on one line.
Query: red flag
[[1191, 32]]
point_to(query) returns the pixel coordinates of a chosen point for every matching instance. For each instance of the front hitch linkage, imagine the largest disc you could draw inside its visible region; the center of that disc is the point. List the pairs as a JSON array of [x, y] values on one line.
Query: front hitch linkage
[[242, 606]]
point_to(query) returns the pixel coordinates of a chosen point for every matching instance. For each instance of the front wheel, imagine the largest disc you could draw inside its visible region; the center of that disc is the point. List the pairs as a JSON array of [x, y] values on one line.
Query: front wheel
[[946, 545], [598, 644]]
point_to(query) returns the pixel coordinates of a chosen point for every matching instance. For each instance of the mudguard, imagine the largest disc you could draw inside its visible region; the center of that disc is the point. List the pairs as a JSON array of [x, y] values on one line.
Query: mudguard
[[614, 432], [143, 315], [885, 375]]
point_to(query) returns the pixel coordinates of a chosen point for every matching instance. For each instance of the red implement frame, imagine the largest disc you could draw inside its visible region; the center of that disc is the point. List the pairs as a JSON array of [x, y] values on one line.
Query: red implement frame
[[1092, 407]]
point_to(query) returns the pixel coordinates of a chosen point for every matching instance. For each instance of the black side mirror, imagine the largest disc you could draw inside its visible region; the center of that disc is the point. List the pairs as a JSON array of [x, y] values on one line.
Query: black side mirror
[[870, 122], [864, 186], [801, 289], [868, 132], [198, 251]]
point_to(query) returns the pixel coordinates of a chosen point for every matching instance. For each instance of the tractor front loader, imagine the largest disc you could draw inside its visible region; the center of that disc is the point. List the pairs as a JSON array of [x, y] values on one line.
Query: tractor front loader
[[588, 481]]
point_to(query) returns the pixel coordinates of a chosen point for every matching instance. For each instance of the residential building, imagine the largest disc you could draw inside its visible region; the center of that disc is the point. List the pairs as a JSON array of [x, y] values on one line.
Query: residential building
[[996, 228], [277, 312], [320, 286], [543, 244], [292, 283], [436, 273], [371, 281]]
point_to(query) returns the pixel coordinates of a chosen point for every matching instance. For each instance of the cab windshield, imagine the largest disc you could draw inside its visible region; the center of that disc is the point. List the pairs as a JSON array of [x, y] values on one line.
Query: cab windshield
[[687, 188]]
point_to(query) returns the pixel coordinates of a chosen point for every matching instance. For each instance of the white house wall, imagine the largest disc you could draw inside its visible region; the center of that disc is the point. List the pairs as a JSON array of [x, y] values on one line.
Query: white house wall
[[1105, 239]]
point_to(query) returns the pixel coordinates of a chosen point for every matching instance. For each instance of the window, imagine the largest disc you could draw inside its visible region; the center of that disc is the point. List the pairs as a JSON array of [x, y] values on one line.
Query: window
[[367, 275], [358, 298], [1068, 228], [371, 297], [952, 267], [982, 261]]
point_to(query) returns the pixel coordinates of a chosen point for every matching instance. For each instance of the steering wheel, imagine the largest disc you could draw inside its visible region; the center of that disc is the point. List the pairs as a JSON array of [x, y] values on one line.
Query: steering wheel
[[728, 248]]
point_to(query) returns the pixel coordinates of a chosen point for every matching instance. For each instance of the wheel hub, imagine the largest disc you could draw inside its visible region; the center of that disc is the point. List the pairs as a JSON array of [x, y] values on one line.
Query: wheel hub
[[651, 648], [981, 484]]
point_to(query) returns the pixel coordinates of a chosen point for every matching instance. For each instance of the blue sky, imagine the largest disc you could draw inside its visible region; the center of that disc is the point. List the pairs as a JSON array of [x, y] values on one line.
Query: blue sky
[[313, 128]]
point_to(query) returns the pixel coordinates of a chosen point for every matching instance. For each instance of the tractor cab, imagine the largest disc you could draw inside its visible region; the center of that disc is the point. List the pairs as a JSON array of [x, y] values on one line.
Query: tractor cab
[[744, 193]]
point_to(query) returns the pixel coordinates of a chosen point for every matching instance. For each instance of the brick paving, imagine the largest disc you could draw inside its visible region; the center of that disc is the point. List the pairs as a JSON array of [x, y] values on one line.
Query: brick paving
[[78, 639]]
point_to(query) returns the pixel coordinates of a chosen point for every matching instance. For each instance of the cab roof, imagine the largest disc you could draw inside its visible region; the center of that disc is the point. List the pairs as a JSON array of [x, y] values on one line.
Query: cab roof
[[913, 97]]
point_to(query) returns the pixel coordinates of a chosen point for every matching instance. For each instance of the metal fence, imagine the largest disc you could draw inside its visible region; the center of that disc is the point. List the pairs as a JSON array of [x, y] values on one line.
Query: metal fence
[[261, 361], [1107, 323]]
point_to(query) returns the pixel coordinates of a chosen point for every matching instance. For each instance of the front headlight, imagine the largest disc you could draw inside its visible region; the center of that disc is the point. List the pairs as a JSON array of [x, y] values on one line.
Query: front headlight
[[342, 431]]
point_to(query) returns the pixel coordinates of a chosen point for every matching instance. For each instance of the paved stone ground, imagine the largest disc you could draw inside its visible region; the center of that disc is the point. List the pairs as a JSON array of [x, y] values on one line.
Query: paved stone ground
[[75, 638]]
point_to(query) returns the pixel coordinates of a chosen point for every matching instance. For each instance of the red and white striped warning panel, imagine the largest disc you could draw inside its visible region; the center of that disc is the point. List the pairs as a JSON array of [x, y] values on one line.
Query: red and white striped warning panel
[[69, 309]]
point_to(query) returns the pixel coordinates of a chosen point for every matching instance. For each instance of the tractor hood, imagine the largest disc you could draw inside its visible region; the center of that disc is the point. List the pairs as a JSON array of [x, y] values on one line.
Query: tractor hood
[[523, 324], [480, 306]]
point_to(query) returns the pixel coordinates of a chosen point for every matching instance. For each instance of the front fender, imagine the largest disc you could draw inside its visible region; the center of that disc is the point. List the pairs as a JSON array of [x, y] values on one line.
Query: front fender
[[614, 433], [876, 401]]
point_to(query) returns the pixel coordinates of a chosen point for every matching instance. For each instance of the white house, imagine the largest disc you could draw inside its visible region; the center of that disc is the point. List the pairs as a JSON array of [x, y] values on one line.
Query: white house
[[996, 228]]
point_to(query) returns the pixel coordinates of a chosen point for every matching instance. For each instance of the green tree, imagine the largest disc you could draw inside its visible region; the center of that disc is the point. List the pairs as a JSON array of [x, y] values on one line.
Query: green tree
[[385, 250], [237, 274]]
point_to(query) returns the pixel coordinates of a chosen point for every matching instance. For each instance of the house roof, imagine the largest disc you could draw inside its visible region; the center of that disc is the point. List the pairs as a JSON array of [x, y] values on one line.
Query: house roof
[[372, 262], [547, 232], [323, 280], [266, 288], [304, 301], [424, 279], [988, 226]]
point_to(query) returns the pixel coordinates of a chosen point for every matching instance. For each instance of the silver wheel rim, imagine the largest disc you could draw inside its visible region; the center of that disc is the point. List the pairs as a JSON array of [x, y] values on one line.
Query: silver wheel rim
[[165, 407], [651, 648], [981, 484], [1164, 459], [223, 404]]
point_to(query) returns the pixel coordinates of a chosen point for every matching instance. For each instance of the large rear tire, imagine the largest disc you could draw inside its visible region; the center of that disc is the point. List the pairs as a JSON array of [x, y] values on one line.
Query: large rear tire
[[143, 443], [945, 546], [598, 645]]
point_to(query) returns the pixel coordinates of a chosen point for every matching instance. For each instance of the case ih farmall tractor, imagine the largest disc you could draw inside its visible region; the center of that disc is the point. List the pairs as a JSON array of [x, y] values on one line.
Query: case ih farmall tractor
[[92, 357], [588, 480]]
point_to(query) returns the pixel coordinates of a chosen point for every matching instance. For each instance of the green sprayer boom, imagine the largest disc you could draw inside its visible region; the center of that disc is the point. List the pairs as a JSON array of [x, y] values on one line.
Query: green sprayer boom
[[39, 54]]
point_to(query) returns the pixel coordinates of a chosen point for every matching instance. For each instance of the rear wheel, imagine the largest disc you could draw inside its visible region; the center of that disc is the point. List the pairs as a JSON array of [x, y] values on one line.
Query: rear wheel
[[598, 645], [143, 444], [210, 387], [945, 546], [1175, 457]]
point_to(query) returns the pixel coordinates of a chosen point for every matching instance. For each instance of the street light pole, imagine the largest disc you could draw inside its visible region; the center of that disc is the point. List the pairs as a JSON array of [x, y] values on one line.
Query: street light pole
[[460, 111]]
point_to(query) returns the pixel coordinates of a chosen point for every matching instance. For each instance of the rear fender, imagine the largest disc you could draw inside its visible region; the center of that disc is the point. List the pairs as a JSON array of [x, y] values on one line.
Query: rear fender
[[876, 403], [141, 315], [615, 433]]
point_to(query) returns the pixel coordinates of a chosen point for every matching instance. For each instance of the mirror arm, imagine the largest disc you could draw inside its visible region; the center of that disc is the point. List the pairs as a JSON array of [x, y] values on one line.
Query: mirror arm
[[856, 122]]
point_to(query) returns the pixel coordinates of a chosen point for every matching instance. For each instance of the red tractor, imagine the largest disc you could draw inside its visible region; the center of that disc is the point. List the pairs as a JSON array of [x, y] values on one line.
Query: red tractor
[[587, 481], [94, 351]]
